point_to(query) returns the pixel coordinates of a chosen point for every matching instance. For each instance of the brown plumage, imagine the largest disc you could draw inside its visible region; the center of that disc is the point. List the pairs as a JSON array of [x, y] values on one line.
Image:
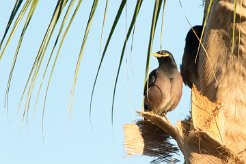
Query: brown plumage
[[164, 88]]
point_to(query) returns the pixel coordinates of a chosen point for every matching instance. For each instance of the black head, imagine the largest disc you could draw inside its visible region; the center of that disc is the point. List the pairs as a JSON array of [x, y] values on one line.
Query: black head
[[190, 59], [192, 42], [164, 56]]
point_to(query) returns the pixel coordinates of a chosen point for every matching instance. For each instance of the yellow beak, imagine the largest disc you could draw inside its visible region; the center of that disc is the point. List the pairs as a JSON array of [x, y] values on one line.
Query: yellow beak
[[160, 55]]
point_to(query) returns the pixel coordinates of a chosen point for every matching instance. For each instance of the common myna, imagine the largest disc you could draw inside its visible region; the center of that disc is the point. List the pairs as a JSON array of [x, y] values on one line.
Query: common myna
[[164, 88], [190, 56]]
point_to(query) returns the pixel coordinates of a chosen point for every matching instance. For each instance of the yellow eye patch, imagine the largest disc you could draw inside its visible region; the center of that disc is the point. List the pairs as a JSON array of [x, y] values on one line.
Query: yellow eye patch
[[161, 55]]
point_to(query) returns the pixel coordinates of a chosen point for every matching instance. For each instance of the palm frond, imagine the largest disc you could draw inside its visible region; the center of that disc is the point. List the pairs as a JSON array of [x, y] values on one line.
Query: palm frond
[[11, 18], [117, 17], [134, 17], [54, 46], [17, 22], [103, 24], [28, 89], [59, 48], [87, 30], [162, 24], [29, 17]]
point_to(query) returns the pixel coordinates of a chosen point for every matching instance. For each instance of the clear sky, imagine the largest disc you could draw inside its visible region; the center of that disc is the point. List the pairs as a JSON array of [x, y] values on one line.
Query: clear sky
[[71, 140]]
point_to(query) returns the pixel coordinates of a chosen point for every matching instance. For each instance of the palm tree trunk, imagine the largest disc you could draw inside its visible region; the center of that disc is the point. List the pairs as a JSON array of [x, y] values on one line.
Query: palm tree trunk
[[216, 132], [219, 124]]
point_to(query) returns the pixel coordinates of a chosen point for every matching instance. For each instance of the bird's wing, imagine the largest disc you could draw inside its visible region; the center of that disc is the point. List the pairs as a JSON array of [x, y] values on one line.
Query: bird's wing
[[157, 96], [151, 80], [176, 90]]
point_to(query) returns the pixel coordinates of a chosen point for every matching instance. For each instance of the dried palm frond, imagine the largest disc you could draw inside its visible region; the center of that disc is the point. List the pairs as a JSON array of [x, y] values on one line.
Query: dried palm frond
[[145, 138]]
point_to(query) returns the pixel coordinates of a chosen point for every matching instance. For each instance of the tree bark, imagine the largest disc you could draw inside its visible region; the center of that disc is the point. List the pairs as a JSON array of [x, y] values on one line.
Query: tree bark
[[221, 118], [216, 132]]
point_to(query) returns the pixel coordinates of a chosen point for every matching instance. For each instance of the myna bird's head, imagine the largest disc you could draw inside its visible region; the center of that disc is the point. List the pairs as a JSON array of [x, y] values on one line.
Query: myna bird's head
[[192, 39], [164, 57], [190, 58]]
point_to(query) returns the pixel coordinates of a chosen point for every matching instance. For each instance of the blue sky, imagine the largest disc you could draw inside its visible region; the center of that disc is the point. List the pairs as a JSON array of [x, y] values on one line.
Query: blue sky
[[70, 140]]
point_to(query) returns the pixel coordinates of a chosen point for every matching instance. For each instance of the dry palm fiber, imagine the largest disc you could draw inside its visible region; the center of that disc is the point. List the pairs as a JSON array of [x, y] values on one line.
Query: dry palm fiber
[[145, 138]]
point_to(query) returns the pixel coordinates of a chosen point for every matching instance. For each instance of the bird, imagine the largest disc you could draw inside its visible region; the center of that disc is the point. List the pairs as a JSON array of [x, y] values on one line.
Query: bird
[[190, 56], [163, 90]]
